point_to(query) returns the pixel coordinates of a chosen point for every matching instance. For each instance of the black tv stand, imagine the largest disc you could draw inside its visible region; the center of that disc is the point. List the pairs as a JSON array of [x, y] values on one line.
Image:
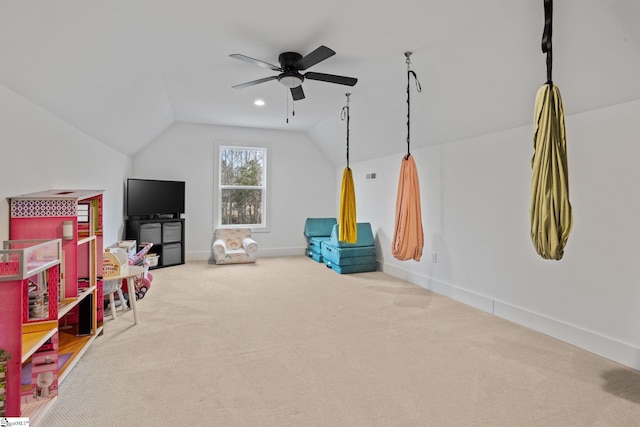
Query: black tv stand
[[154, 216], [167, 216], [166, 234]]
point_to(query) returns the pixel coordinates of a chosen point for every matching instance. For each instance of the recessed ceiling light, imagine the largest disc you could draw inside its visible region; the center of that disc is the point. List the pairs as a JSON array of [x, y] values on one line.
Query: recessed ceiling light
[[259, 102]]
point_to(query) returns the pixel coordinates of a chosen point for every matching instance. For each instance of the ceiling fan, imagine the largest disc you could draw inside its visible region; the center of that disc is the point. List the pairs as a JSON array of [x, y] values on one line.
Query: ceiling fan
[[291, 63]]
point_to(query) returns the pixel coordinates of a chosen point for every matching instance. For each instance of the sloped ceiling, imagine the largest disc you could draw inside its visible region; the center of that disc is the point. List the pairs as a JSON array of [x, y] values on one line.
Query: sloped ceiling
[[122, 71]]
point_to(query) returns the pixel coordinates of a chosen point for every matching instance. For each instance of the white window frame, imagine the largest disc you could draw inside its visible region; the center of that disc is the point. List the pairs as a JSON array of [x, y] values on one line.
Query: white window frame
[[217, 187]]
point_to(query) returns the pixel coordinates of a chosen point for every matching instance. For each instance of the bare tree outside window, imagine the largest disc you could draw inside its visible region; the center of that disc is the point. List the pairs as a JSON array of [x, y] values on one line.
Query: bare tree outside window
[[242, 185]]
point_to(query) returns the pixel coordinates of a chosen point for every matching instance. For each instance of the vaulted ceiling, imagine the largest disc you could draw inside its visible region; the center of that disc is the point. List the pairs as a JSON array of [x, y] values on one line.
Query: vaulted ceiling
[[122, 71]]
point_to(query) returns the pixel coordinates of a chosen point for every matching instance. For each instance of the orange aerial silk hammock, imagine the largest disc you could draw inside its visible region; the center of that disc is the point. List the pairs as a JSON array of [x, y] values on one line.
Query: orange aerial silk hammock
[[408, 236]]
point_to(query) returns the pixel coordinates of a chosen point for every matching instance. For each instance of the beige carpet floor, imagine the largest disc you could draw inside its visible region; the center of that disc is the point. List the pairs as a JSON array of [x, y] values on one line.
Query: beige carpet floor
[[288, 342]]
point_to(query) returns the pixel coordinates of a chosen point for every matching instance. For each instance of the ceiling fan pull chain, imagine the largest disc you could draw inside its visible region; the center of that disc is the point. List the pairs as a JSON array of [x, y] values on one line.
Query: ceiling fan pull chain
[[419, 89], [345, 114]]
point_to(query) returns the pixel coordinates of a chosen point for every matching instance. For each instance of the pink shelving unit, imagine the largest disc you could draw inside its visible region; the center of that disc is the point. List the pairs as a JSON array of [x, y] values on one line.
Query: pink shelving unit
[[29, 331], [74, 219]]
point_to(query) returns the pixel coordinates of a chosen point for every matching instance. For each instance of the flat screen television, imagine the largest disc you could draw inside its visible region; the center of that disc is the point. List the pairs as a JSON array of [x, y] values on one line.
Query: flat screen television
[[154, 198]]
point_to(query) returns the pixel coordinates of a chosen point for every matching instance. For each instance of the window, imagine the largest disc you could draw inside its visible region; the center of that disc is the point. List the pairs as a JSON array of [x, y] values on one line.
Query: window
[[83, 212], [242, 186]]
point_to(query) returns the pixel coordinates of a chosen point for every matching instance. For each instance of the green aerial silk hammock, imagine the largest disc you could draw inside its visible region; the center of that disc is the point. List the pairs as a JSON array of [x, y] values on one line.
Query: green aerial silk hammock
[[551, 213], [551, 216], [347, 224]]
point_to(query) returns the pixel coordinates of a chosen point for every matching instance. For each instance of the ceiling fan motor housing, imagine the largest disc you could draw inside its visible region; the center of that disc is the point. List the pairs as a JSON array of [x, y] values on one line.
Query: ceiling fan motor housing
[[290, 77], [288, 59]]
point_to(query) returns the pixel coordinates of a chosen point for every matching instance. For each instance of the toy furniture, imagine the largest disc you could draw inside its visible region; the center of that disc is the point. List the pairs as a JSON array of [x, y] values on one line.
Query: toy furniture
[[317, 230], [29, 291], [74, 218], [141, 258], [234, 246], [109, 288], [350, 257], [117, 271], [132, 273]]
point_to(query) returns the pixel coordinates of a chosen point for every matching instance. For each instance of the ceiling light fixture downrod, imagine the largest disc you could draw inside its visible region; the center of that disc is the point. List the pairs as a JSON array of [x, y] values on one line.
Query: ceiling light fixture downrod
[[345, 114], [419, 89]]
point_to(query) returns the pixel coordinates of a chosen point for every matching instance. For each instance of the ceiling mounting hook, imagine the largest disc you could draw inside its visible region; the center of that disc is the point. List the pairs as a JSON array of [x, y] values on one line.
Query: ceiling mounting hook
[[345, 110], [408, 55]]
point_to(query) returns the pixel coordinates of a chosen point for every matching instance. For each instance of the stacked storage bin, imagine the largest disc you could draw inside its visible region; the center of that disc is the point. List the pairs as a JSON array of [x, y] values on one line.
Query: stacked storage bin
[[317, 230], [350, 257], [171, 239]]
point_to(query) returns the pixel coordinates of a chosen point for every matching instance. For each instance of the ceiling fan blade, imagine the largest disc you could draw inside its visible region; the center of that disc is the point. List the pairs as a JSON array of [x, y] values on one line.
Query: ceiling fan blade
[[330, 78], [297, 93], [254, 82], [255, 61], [318, 55]]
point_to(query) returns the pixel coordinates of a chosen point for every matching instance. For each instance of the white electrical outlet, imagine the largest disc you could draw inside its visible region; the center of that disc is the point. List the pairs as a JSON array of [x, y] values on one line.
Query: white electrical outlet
[[434, 257]]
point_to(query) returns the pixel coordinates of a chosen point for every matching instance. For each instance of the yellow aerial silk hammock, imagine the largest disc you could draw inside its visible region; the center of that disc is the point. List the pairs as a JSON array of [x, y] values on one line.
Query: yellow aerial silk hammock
[[348, 230], [551, 213], [408, 236], [347, 225]]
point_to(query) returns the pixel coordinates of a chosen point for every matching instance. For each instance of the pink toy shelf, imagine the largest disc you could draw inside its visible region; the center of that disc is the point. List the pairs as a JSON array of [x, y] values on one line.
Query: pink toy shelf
[[29, 289], [52, 313]]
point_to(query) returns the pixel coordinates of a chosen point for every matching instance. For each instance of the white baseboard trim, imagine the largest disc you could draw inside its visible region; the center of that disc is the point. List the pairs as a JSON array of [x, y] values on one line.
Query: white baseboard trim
[[262, 252], [197, 256], [593, 342], [276, 252], [464, 296], [612, 349]]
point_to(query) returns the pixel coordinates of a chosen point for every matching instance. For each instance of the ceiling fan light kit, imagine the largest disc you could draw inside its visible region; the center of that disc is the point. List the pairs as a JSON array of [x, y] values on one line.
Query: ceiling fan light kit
[[290, 81], [291, 63]]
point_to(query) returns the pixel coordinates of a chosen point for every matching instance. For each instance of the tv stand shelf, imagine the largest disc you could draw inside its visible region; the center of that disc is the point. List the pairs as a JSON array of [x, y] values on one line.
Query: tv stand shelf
[[166, 234]]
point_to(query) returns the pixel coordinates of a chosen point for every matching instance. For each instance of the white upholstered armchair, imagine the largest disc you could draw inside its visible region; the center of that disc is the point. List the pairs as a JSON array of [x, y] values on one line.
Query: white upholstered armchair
[[234, 246]]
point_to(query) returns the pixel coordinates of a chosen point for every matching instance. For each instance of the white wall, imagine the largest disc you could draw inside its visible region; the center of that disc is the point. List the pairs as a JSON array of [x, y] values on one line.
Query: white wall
[[301, 180], [475, 200], [475, 204], [41, 152]]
